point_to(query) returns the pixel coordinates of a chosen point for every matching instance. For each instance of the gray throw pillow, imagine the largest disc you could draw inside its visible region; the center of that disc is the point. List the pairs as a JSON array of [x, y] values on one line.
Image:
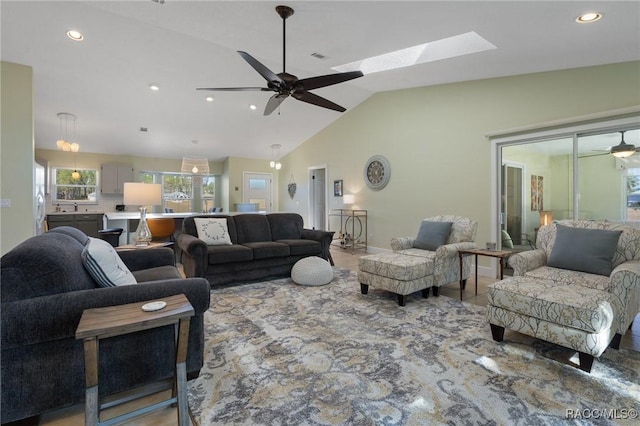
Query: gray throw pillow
[[585, 250], [432, 235]]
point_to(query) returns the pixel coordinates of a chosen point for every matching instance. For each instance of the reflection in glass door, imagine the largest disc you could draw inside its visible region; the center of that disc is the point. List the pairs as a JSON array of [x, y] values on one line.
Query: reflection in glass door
[[536, 182], [512, 201], [604, 185]]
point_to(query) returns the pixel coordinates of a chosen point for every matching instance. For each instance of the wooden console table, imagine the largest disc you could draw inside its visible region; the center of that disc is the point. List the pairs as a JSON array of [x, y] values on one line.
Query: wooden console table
[[101, 323], [499, 254]]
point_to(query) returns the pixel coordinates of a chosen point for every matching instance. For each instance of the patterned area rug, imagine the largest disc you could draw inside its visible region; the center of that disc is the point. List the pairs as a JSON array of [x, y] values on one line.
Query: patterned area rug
[[281, 354]]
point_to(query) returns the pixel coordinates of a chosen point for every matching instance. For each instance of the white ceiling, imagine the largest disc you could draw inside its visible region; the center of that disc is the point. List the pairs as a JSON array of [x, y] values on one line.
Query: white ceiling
[[181, 45]]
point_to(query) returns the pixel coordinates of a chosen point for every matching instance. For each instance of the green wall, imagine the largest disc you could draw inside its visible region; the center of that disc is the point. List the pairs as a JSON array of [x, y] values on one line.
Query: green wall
[[16, 152], [434, 138]]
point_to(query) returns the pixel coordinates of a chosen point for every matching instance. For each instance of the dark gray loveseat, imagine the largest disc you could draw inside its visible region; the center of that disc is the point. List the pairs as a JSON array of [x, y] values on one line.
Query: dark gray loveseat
[[262, 246], [45, 289]]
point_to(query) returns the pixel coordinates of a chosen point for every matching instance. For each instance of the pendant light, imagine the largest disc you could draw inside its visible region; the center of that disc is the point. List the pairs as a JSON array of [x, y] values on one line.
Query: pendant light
[[64, 144], [195, 165], [275, 157], [623, 150]]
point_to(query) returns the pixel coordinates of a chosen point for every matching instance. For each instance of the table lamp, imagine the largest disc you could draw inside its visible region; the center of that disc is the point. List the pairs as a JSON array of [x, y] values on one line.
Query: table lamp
[[348, 199], [545, 217], [143, 195]]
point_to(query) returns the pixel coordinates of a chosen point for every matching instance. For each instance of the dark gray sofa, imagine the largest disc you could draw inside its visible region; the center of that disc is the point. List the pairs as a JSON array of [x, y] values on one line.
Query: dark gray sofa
[[45, 288], [263, 245]]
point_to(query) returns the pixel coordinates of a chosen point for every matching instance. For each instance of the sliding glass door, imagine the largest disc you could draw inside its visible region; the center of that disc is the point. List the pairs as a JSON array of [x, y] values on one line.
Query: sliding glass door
[[541, 172], [565, 174]]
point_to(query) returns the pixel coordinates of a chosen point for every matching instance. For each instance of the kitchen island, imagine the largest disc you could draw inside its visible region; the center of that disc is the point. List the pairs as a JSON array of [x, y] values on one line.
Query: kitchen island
[[128, 221]]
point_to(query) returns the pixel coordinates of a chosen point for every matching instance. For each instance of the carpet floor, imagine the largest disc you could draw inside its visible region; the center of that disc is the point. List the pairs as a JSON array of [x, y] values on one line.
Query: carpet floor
[[281, 354]]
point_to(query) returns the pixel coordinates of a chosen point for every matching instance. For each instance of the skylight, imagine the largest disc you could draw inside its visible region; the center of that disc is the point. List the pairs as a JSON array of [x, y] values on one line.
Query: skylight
[[450, 47]]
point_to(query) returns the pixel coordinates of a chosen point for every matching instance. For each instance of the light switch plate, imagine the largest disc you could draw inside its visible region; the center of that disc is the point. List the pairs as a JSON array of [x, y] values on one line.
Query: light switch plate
[[5, 202]]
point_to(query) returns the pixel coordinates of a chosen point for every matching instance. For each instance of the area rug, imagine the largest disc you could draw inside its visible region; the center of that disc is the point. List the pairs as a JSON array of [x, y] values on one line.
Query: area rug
[[281, 354]]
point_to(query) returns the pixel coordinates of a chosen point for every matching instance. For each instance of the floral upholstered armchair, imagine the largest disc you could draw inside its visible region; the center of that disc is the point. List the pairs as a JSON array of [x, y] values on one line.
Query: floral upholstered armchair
[[446, 262], [623, 283]]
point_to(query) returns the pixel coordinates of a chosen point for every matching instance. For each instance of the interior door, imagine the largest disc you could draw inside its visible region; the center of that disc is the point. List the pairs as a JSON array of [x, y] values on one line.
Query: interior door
[[318, 198], [512, 201], [257, 189]]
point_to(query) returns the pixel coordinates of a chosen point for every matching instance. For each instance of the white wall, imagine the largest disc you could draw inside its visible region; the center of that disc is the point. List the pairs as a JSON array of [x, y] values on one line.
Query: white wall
[[434, 138], [16, 152]]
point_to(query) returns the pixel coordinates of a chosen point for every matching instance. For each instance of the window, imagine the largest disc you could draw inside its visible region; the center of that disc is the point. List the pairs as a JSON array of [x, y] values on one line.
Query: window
[[66, 189], [183, 193], [208, 193], [177, 192]]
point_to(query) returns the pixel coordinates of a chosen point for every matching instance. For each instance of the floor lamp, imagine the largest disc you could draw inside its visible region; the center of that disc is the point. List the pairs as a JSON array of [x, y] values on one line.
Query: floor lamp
[[143, 195]]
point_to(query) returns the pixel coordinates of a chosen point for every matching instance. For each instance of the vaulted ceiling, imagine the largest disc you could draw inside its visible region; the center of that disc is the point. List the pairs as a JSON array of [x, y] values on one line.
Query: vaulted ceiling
[[180, 45]]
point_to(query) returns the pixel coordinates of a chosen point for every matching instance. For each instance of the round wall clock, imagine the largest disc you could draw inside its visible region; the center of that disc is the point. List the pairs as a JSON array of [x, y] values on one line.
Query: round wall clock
[[377, 172]]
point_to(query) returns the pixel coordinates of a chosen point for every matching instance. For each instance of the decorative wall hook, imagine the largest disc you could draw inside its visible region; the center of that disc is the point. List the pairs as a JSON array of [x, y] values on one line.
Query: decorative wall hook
[[292, 187]]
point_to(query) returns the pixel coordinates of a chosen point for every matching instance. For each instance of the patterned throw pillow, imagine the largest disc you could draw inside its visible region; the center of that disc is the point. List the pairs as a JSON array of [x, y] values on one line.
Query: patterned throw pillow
[[213, 231], [105, 266]]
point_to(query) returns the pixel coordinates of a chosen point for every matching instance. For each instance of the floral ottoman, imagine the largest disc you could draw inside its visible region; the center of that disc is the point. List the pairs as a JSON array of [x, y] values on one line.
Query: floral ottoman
[[576, 317], [397, 273]]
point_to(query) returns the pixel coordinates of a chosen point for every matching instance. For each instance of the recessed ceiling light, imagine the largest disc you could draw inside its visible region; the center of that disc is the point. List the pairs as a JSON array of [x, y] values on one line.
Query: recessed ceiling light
[[154, 87], [253, 107], [75, 35], [450, 47], [209, 98], [587, 18]]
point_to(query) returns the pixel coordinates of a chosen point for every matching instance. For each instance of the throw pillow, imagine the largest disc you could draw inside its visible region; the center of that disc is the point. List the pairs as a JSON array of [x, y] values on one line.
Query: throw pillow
[[507, 242], [585, 250], [213, 231], [102, 262], [432, 235]]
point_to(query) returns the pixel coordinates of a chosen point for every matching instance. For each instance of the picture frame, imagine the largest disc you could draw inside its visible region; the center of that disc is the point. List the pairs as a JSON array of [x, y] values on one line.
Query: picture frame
[[337, 188]]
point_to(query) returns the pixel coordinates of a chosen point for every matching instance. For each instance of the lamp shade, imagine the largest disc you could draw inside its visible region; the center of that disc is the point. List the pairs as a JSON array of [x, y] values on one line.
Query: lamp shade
[[545, 217], [348, 199], [142, 194]]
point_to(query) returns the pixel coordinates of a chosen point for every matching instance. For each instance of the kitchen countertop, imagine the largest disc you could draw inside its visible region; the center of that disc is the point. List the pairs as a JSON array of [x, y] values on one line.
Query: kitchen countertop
[[74, 212], [136, 215]]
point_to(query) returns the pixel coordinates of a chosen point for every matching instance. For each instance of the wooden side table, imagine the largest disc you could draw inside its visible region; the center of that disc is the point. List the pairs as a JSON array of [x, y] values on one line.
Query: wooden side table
[[151, 245], [101, 323], [499, 254]]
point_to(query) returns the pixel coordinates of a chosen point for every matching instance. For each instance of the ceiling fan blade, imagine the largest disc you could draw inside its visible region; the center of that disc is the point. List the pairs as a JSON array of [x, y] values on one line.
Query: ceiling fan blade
[[273, 103], [265, 72], [329, 79], [237, 89], [314, 99]]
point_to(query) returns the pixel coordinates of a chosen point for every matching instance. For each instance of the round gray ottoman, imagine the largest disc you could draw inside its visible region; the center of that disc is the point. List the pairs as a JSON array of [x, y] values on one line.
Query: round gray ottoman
[[312, 271]]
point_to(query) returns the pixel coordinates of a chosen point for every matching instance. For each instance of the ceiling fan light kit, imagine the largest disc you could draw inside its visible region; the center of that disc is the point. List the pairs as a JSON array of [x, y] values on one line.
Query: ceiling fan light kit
[[623, 149], [285, 84]]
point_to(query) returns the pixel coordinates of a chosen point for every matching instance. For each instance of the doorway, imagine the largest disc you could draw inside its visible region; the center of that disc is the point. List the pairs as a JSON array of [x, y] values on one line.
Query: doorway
[[318, 198], [257, 189], [512, 204]]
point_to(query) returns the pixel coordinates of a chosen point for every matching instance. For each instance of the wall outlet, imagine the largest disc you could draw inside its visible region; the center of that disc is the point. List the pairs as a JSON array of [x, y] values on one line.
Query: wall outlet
[[5, 202]]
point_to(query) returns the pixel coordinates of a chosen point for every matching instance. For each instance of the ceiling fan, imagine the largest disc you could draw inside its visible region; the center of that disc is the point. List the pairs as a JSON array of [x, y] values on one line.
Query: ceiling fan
[[622, 150], [285, 84]]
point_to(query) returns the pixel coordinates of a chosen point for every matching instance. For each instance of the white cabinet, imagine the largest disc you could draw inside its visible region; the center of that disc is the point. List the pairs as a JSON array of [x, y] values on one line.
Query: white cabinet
[[113, 177]]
